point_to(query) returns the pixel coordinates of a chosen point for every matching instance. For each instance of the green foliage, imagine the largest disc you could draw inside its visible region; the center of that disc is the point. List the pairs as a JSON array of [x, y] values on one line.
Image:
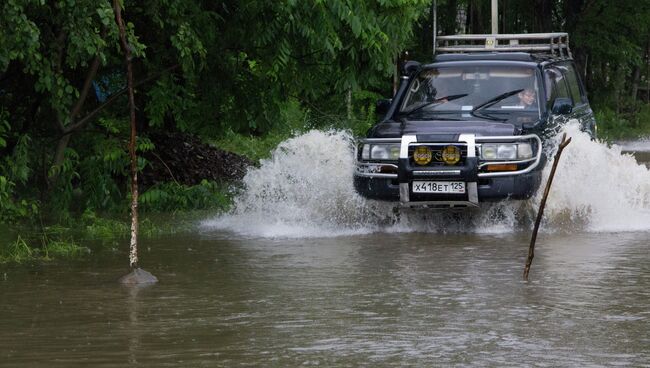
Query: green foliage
[[14, 174], [245, 75], [171, 99], [173, 196], [293, 120], [17, 252], [23, 250], [64, 191], [63, 249], [633, 123], [102, 228], [4, 127], [253, 147]]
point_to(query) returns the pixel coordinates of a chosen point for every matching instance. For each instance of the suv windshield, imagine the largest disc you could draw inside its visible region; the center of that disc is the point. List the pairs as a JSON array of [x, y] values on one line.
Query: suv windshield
[[469, 89]]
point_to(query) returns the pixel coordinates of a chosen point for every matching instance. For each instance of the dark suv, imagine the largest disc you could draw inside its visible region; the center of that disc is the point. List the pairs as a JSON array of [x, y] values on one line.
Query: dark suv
[[475, 124]]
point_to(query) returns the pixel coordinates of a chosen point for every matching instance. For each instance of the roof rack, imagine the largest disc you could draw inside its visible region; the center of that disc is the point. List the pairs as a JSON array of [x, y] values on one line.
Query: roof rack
[[552, 43]]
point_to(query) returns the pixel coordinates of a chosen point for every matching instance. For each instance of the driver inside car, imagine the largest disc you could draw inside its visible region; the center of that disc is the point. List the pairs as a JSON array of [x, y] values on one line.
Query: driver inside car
[[527, 98]]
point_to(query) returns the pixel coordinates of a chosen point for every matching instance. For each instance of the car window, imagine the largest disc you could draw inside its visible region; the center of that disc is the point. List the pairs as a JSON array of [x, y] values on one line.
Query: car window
[[556, 86], [461, 89], [572, 81]]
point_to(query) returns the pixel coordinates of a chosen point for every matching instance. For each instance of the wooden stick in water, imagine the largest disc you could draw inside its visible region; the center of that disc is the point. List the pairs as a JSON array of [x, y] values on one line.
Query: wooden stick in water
[[540, 213]]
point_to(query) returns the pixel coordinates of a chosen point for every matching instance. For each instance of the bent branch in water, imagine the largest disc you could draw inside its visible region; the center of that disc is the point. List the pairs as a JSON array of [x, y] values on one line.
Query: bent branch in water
[[531, 249]]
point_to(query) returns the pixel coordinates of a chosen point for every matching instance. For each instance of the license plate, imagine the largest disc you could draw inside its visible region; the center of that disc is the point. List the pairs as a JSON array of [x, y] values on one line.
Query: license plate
[[453, 187]]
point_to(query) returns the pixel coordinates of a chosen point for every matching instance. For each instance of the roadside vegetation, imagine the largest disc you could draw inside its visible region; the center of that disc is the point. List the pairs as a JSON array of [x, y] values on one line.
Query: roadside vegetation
[[241, 76]]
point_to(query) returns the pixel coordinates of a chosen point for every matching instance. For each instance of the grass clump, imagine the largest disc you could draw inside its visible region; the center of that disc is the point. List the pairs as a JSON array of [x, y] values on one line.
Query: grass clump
[[17, 252], [24, 250], [63, 249]]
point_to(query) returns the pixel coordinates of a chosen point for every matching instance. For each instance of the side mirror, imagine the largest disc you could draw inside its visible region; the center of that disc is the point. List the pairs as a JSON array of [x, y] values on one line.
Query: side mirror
[[562, 106], [410, 67], [383, 105]]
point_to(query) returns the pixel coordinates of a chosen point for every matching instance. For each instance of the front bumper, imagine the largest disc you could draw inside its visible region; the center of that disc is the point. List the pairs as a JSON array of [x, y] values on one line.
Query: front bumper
[[493, 189], [390, 182]]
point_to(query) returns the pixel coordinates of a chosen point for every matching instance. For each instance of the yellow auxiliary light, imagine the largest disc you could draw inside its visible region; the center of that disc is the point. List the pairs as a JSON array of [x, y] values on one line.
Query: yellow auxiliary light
[[422, 155], [451, 155]]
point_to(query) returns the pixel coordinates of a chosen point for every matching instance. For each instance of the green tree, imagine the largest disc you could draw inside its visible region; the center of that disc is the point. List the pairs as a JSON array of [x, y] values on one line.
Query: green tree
[[201, 67]]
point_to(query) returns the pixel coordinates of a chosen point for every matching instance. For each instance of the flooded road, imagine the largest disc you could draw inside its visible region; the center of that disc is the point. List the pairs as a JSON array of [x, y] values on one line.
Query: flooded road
[[305, 273], [364, 300]]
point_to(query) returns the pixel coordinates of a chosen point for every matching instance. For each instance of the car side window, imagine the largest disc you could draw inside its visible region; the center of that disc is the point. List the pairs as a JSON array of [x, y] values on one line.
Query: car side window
[[556, 86], [572, 81]]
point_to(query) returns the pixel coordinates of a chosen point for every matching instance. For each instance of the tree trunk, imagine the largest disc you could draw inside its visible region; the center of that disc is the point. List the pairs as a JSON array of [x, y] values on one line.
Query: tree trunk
[[348, 103], [59, 156], [449, 14], [647, 75], [619, 85], [59, 153], [133, 250], [634, 83], [572, 13], [543, 15], [474, 17], [504, 10]]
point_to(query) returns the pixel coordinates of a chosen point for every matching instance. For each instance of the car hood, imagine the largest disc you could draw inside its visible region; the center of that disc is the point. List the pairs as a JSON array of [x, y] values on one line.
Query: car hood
[[391, 129]]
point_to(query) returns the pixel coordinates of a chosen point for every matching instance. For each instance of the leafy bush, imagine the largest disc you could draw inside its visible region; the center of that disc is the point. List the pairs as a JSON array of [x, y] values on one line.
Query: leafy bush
[[633, 122], [173, 197], [104, 228], [15, 171]]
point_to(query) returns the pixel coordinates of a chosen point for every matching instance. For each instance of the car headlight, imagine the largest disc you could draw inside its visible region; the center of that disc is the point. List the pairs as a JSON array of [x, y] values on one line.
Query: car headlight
[[524, 150], [506, 151], [380, 152]]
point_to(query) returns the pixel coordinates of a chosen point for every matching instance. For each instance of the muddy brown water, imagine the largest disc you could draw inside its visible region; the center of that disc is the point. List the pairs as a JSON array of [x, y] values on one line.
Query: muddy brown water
[[375, 299], [368, 300]]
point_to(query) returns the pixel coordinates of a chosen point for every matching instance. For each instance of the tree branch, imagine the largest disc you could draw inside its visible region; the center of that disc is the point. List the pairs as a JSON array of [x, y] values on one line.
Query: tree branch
[[86, 88], [81, 122]]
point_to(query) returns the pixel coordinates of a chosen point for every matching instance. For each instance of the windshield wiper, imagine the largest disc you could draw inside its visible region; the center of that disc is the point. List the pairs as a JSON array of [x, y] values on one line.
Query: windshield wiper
[[477, 111], [436, 101], [495, 99]]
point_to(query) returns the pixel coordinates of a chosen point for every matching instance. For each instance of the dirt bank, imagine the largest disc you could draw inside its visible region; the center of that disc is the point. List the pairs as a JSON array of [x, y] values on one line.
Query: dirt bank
[[187, 160]]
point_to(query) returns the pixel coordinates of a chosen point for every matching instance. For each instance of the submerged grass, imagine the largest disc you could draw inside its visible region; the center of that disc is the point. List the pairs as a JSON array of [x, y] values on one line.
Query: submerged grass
[[167, 208], [93, 234], [24, 250], [63, 249], [17, 252]]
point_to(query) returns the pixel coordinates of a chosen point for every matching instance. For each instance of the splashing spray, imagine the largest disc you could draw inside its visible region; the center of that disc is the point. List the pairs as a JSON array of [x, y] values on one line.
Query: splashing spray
[[305, 190]]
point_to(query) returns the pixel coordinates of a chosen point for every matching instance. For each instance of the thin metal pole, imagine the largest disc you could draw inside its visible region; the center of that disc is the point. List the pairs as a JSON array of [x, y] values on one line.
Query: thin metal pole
[[495, 16]]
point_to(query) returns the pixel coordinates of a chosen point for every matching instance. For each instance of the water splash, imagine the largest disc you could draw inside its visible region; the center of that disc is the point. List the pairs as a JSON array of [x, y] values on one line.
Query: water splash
[[598, 188], [305, 190]]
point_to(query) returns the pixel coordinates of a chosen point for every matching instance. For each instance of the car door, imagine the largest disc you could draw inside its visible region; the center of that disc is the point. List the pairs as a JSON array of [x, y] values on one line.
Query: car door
[[556, 90], [581, 109]]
